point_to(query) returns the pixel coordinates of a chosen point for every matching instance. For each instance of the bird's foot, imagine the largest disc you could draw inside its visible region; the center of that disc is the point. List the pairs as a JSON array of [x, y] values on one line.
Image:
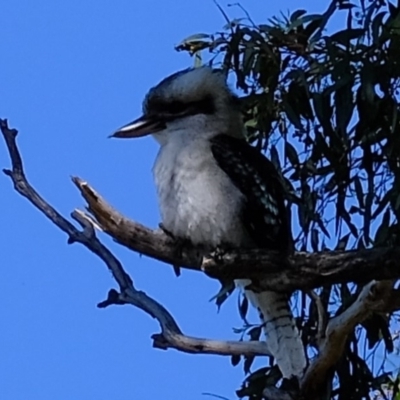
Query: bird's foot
[[166, 231], [180, 244]]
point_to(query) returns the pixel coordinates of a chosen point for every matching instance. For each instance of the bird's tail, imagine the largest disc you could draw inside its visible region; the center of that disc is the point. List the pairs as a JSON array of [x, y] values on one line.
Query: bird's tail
[[282, 336]]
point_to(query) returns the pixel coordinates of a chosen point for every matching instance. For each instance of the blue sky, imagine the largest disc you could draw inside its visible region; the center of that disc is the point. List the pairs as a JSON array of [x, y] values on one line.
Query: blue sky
[[71, 73]]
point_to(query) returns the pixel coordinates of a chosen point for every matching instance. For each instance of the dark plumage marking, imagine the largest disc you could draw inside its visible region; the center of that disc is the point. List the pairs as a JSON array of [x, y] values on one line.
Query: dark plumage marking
[[175, 109], [156, 103], [263, 214]]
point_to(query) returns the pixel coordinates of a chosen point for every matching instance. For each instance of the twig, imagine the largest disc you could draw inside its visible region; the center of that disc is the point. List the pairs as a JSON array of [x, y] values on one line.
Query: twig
[[322, 317], [171, 336]]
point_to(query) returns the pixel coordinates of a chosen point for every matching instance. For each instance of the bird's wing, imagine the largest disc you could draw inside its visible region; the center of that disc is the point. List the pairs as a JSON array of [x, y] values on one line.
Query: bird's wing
[[265, 218], [264, 214]]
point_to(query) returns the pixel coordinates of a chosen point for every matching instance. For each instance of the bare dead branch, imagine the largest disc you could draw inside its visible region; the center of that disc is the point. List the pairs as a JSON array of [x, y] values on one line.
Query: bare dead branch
[[171, 336]]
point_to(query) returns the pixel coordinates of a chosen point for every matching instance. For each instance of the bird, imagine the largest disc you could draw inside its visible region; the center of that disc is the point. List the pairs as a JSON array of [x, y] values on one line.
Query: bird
[[215, 190]]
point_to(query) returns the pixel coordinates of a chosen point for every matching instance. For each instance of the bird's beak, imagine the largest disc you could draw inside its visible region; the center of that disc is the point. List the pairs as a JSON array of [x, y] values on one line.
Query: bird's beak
[[140, 127]]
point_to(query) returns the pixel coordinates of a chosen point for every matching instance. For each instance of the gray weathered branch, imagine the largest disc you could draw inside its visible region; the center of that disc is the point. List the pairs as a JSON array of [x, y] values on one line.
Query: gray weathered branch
[[171, 336]]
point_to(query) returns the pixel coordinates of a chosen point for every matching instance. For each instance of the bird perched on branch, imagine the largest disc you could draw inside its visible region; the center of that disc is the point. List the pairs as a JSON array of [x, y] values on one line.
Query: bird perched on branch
[[216, 190]]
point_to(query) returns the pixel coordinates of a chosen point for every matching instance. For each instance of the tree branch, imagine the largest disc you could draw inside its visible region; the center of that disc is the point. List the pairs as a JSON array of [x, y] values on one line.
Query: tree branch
[[171, 336], [300, 271], [373, 297]]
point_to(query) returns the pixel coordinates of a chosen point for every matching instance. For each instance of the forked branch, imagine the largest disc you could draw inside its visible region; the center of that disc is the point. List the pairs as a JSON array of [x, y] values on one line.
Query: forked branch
[[171, 335]]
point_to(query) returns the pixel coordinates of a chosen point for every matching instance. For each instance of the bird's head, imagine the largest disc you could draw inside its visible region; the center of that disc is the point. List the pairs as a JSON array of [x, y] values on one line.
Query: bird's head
[[190, 102]]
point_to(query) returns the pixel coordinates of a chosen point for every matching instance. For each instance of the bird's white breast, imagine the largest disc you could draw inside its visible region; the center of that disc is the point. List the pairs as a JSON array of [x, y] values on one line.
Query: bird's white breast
[[197, 199]]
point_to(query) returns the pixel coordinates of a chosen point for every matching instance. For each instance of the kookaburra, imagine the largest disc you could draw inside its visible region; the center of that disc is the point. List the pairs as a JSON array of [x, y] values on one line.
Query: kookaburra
[[216, 190]]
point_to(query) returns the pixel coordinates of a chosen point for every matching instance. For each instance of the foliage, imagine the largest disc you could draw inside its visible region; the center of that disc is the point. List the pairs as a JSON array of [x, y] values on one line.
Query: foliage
[[330, 104]]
